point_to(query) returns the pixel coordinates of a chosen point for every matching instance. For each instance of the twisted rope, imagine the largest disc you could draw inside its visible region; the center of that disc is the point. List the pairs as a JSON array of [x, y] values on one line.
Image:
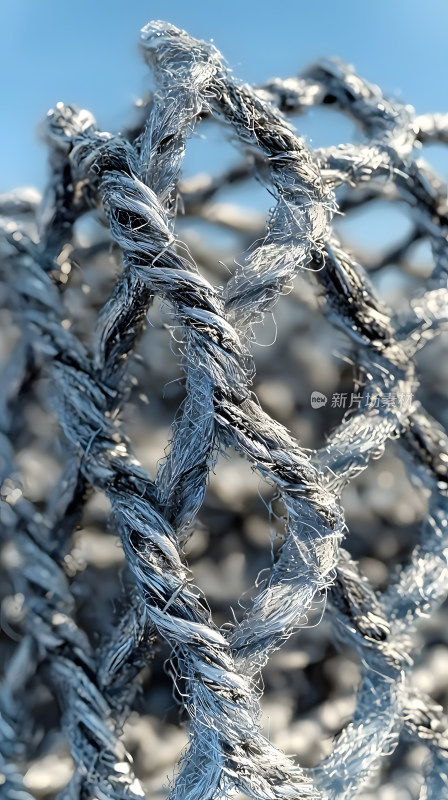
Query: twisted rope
[[135, 183]]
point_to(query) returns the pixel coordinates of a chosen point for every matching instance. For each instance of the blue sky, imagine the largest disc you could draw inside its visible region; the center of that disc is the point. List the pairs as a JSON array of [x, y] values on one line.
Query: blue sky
[[86, 52]]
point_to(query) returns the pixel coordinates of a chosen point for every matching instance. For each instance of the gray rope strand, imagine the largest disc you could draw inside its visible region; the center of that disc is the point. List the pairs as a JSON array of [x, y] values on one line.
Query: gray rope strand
[[282, 633], [115, 201], [163, 37], [384, 646], [342, 752], [55, 542], [44, 551], [370, 717], [115, 340], [389, 701], [50, 623], [108, 466]]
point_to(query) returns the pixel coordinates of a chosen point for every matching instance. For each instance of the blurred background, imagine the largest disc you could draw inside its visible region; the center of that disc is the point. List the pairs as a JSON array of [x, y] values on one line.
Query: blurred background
[[86, 53]]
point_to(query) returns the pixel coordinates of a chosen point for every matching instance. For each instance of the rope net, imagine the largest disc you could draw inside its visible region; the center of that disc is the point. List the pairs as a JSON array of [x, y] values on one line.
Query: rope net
[[97, 318]]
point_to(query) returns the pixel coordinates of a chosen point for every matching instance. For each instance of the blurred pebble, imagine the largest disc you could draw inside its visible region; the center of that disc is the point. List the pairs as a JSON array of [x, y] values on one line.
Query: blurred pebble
[[49, 774], [98, 549]]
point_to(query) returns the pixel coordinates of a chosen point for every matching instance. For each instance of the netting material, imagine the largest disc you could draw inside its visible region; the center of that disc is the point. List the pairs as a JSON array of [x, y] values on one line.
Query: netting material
[[135, 182]]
